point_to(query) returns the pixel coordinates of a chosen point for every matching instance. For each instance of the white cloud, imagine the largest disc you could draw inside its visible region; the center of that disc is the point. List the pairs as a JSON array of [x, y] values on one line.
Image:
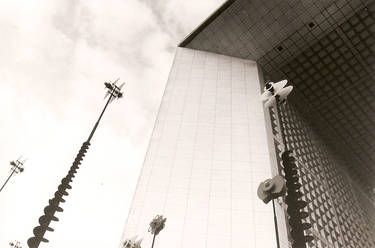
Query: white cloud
[[54, 58]]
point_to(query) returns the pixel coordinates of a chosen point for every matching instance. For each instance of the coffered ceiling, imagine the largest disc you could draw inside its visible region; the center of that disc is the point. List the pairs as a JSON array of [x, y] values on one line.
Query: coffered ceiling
[[325, 48]]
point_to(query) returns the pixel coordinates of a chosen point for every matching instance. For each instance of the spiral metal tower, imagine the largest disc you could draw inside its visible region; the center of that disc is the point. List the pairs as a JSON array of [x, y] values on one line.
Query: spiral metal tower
[[114, 92], [293, 199]]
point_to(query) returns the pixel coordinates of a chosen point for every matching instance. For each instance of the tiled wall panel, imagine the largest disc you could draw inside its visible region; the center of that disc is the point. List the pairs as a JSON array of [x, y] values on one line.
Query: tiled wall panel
[[341, 214], [207, 155]]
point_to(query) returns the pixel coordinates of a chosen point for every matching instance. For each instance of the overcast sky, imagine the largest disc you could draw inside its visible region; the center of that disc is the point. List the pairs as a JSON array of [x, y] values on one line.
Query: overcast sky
[[54, 59]]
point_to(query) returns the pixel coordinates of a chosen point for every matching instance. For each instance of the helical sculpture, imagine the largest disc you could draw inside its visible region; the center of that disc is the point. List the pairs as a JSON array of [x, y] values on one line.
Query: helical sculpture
[[113, 91], [53, 206], [294, 202]]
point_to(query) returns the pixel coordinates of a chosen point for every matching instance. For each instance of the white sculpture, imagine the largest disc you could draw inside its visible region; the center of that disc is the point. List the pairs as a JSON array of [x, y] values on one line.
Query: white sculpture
[[275, 92], [132, 243]]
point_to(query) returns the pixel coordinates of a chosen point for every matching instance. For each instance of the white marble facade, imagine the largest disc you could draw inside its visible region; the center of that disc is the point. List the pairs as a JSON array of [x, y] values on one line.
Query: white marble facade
[[207, 155]]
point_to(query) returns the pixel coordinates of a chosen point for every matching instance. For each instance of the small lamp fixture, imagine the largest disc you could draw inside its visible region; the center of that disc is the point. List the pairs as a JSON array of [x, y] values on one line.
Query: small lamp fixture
[[156, 225]]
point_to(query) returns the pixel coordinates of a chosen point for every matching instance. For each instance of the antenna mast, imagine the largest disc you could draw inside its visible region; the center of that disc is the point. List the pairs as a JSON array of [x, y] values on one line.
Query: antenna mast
[[114, 92]]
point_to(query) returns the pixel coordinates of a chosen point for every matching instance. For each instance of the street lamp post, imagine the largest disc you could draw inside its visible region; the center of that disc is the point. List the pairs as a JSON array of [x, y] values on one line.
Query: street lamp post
[[17, 167], [156, 225], [114, 92]]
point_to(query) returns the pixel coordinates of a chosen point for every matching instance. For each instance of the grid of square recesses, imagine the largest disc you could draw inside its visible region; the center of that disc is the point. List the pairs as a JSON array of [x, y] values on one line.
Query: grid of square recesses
[[334, 85], [325, 49], [356, 224], [252, 29], [334, 210], [319, 202], [320, 24]]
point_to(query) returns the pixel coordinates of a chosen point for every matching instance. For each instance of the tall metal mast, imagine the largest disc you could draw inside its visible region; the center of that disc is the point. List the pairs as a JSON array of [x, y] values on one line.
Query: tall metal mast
[[17, 167], [114, 92], [15, 244], [275, 94]]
